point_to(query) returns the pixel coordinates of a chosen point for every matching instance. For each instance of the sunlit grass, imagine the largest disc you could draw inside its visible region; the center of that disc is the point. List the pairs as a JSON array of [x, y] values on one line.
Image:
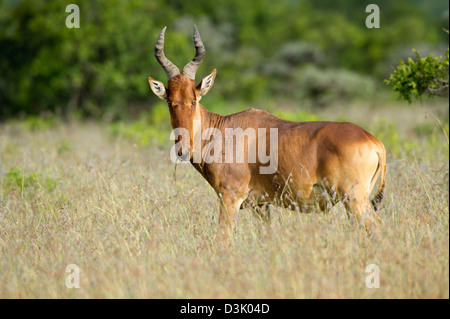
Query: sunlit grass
[[75, 194]]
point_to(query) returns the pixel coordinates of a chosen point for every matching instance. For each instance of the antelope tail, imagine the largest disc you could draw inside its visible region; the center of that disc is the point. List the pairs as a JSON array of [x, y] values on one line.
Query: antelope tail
[[378, 197]]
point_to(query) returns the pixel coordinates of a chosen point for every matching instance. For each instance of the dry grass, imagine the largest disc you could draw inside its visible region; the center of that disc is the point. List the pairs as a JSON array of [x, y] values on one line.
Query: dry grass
[[77, 196]]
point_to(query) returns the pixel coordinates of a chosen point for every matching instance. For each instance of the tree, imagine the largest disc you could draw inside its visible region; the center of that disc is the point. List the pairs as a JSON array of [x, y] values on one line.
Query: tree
[[420, 76]]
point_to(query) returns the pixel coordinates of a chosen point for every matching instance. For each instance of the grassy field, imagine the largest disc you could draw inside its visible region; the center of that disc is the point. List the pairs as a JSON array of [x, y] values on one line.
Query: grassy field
[[74, 193]]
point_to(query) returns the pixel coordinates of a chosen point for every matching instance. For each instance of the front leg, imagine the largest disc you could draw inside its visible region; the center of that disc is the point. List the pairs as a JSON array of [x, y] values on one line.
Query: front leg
[[230, 201]]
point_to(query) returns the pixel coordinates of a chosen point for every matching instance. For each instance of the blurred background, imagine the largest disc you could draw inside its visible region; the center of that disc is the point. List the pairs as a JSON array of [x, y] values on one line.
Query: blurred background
[[288, 57]]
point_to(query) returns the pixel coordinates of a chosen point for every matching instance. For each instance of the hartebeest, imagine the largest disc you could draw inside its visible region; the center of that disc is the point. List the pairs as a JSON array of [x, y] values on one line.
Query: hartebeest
[[314, 158]]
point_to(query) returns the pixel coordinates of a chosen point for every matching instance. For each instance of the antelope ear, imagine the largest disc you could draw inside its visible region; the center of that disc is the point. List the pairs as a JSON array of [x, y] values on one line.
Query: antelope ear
[[158, 88], [205, 85]]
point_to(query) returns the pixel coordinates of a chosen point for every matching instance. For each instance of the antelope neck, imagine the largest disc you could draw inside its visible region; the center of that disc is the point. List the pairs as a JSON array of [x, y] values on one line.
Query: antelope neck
[[210, 119]]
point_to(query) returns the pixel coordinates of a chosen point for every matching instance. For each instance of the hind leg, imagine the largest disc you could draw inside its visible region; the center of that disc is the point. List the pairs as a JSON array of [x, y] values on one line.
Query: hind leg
[[362, 210]]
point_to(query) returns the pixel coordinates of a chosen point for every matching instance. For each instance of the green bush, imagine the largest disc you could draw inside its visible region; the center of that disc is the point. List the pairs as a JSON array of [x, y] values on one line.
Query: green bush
[[98, 68], [16, 179], [152, 128], [420, 76], [37, 123], [299, 116], [432, 139]]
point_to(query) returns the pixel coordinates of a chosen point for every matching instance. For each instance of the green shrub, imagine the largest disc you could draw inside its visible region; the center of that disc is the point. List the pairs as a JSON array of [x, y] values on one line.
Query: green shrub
[[420, 76], [387, 132], [16, 179], [35, 123], [152, 128], [432, 141], [299, 116]]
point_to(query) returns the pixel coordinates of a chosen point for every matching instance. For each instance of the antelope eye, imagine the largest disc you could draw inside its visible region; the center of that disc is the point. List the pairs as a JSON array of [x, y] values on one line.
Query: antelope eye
[[169, 103], [193, 102]]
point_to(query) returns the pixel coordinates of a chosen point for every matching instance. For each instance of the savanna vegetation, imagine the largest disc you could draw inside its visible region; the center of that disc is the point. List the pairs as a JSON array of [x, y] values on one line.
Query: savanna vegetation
[[320, 51], [85, 174], [76, 194]]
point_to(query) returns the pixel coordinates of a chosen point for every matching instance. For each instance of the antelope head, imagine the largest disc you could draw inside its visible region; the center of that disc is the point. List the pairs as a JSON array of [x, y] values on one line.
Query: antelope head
[[181, 94]]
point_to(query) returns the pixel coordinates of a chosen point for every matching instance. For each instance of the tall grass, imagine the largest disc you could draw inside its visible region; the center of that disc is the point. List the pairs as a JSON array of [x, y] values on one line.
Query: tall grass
[[75, 194]]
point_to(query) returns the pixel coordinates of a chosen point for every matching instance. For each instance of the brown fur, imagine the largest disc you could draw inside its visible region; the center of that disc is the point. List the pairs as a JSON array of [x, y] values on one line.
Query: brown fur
[[341, 159]]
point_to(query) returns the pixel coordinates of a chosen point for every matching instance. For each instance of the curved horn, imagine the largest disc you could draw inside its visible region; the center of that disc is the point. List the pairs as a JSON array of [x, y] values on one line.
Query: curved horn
[[191, 68], [170, 68]]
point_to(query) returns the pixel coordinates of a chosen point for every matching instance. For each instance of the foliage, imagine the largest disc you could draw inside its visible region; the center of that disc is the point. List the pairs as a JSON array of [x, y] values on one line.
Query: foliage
[[16, 179], [153, 127], [432, 136], [428, 76], [101, 69], [301, 115]]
